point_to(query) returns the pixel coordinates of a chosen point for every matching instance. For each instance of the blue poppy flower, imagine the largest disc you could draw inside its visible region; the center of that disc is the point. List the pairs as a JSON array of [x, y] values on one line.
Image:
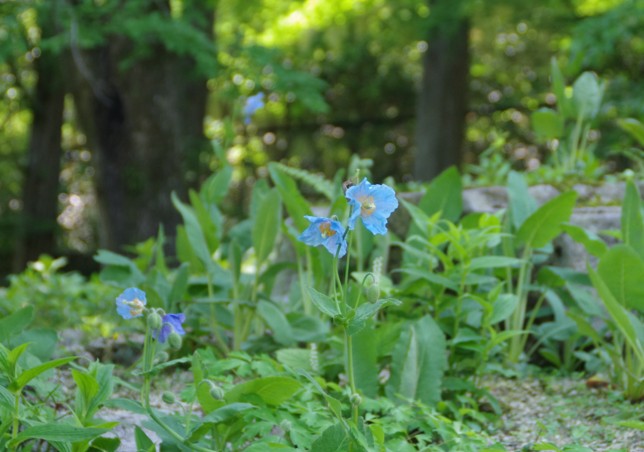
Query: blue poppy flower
[[131, 303], [253, 103], [170, 323], [326, 232], [372, 203]]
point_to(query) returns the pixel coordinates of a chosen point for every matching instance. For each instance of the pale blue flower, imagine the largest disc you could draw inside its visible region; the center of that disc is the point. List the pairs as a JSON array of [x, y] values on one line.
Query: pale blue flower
[[170, 323], [131, 303], [253, 103], [372, 203], [327, 232]]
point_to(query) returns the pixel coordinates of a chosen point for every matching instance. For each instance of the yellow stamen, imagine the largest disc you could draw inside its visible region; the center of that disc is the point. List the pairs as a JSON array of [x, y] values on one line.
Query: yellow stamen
[[367, 206], [326, 231]]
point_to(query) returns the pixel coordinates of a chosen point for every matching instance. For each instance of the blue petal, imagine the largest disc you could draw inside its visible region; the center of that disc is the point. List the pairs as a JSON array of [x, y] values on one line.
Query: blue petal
[[123, 302], [171, 322]]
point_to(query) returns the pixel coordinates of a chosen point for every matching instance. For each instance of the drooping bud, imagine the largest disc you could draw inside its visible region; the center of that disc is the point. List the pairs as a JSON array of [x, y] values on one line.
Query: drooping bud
[[373, 293], [216, 392], [355, 399], [174, 340], [168, 397], [162, 357], [154, 320]]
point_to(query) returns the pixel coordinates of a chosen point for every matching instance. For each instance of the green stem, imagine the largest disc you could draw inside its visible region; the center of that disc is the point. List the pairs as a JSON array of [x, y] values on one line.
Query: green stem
[[350, 372], [213, 320], [16, 417], [518, 318]]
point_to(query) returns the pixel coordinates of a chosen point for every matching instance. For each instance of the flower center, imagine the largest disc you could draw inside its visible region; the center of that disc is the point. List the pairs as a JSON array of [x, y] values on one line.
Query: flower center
[[136, 307], [367, 206], [326, 231]]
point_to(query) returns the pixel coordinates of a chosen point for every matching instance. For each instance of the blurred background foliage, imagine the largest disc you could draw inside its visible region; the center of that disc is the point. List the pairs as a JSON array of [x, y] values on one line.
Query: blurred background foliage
[[341, 79]]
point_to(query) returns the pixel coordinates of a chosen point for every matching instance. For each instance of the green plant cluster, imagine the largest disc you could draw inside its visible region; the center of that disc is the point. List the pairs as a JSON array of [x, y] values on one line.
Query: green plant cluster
[[289, 347]]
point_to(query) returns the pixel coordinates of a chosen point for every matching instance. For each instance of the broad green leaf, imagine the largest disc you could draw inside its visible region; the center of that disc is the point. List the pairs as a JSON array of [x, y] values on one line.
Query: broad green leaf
[[215, 188], [591, 241], [208, 226], [7, 399], [545, 223], [432, 277], [365, 356], [493, 262], [57, 432], [618, 314], [296, 206], [503, 307], [634, 127], [547, 124], [520, 201], [222, 414], [143, 442], [194, 234], [16, 322], [272, 390], [324, 303], [179, 286], [587, 95], [87, 388], [444, 194], [266, 225], [277, 321], [632, 220], [622, 270], [631, 423], [421, 220], [334, 439], [32, 373], [297, 358], [419, 361], [104, 444], [367, 310], [564, 104]]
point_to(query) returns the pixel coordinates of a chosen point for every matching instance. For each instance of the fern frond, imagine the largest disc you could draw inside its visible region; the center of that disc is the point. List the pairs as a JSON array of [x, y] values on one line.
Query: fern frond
[[315, 181]]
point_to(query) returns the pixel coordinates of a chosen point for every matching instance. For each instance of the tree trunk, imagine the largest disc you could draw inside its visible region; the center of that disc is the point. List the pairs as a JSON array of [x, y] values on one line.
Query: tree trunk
[[442, 103], [38, 226], [143, 124]]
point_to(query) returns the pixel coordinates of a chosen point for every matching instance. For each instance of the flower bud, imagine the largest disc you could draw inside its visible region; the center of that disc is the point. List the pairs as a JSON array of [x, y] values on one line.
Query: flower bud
[[355, 399], [154, 320], [168, 397], [216, 392], [162, 357], [174, 340], [373, 293], [286, 425]]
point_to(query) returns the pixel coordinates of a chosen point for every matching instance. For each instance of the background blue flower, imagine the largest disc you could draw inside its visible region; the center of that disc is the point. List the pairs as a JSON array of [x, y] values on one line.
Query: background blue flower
[[131, 303], [326, 232], [171, 322], [372, 203], [253, 103]]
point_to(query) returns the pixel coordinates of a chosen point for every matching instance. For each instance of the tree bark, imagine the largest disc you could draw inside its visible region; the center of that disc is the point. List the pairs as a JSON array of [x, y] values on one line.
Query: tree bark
[[38, 225], [442, 103], [144, 123]]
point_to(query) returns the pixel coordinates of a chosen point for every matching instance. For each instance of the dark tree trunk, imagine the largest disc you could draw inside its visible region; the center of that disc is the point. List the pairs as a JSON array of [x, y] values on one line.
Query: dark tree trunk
[[144, 123], [442, 103], [38, 226]]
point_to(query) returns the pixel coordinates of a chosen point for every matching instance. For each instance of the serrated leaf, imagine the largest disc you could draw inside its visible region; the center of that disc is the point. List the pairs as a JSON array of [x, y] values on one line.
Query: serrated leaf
[[545, 223], [334, 439]]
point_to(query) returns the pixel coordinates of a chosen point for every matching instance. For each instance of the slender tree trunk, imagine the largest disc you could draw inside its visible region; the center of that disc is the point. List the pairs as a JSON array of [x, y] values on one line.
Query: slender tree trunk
[[144, 123], [442, 103], [38, 226]]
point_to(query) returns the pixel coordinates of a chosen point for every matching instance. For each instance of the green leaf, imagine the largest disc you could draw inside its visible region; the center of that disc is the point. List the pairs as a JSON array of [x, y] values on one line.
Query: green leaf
[[365, 358], [272, 390], [618, 314], [493, 262], [57, 432], [208, 226], [545, 223], [503, 307], [631, 423], [632, 219], [587, 95], [324, 303], [297, 358], [444, 194], [559, 88], [520, 201], [32, 373], [7, 399], [179, 286], [622, 270], [266, 225], [87, 388], [277, 321], [103, 444], [225, 413], [296, 206], [143, 442], [591, 241], [334, 439], [547, 124], [215, 188], [419, 361], [194, 234], [633, 127], [16, 322]]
